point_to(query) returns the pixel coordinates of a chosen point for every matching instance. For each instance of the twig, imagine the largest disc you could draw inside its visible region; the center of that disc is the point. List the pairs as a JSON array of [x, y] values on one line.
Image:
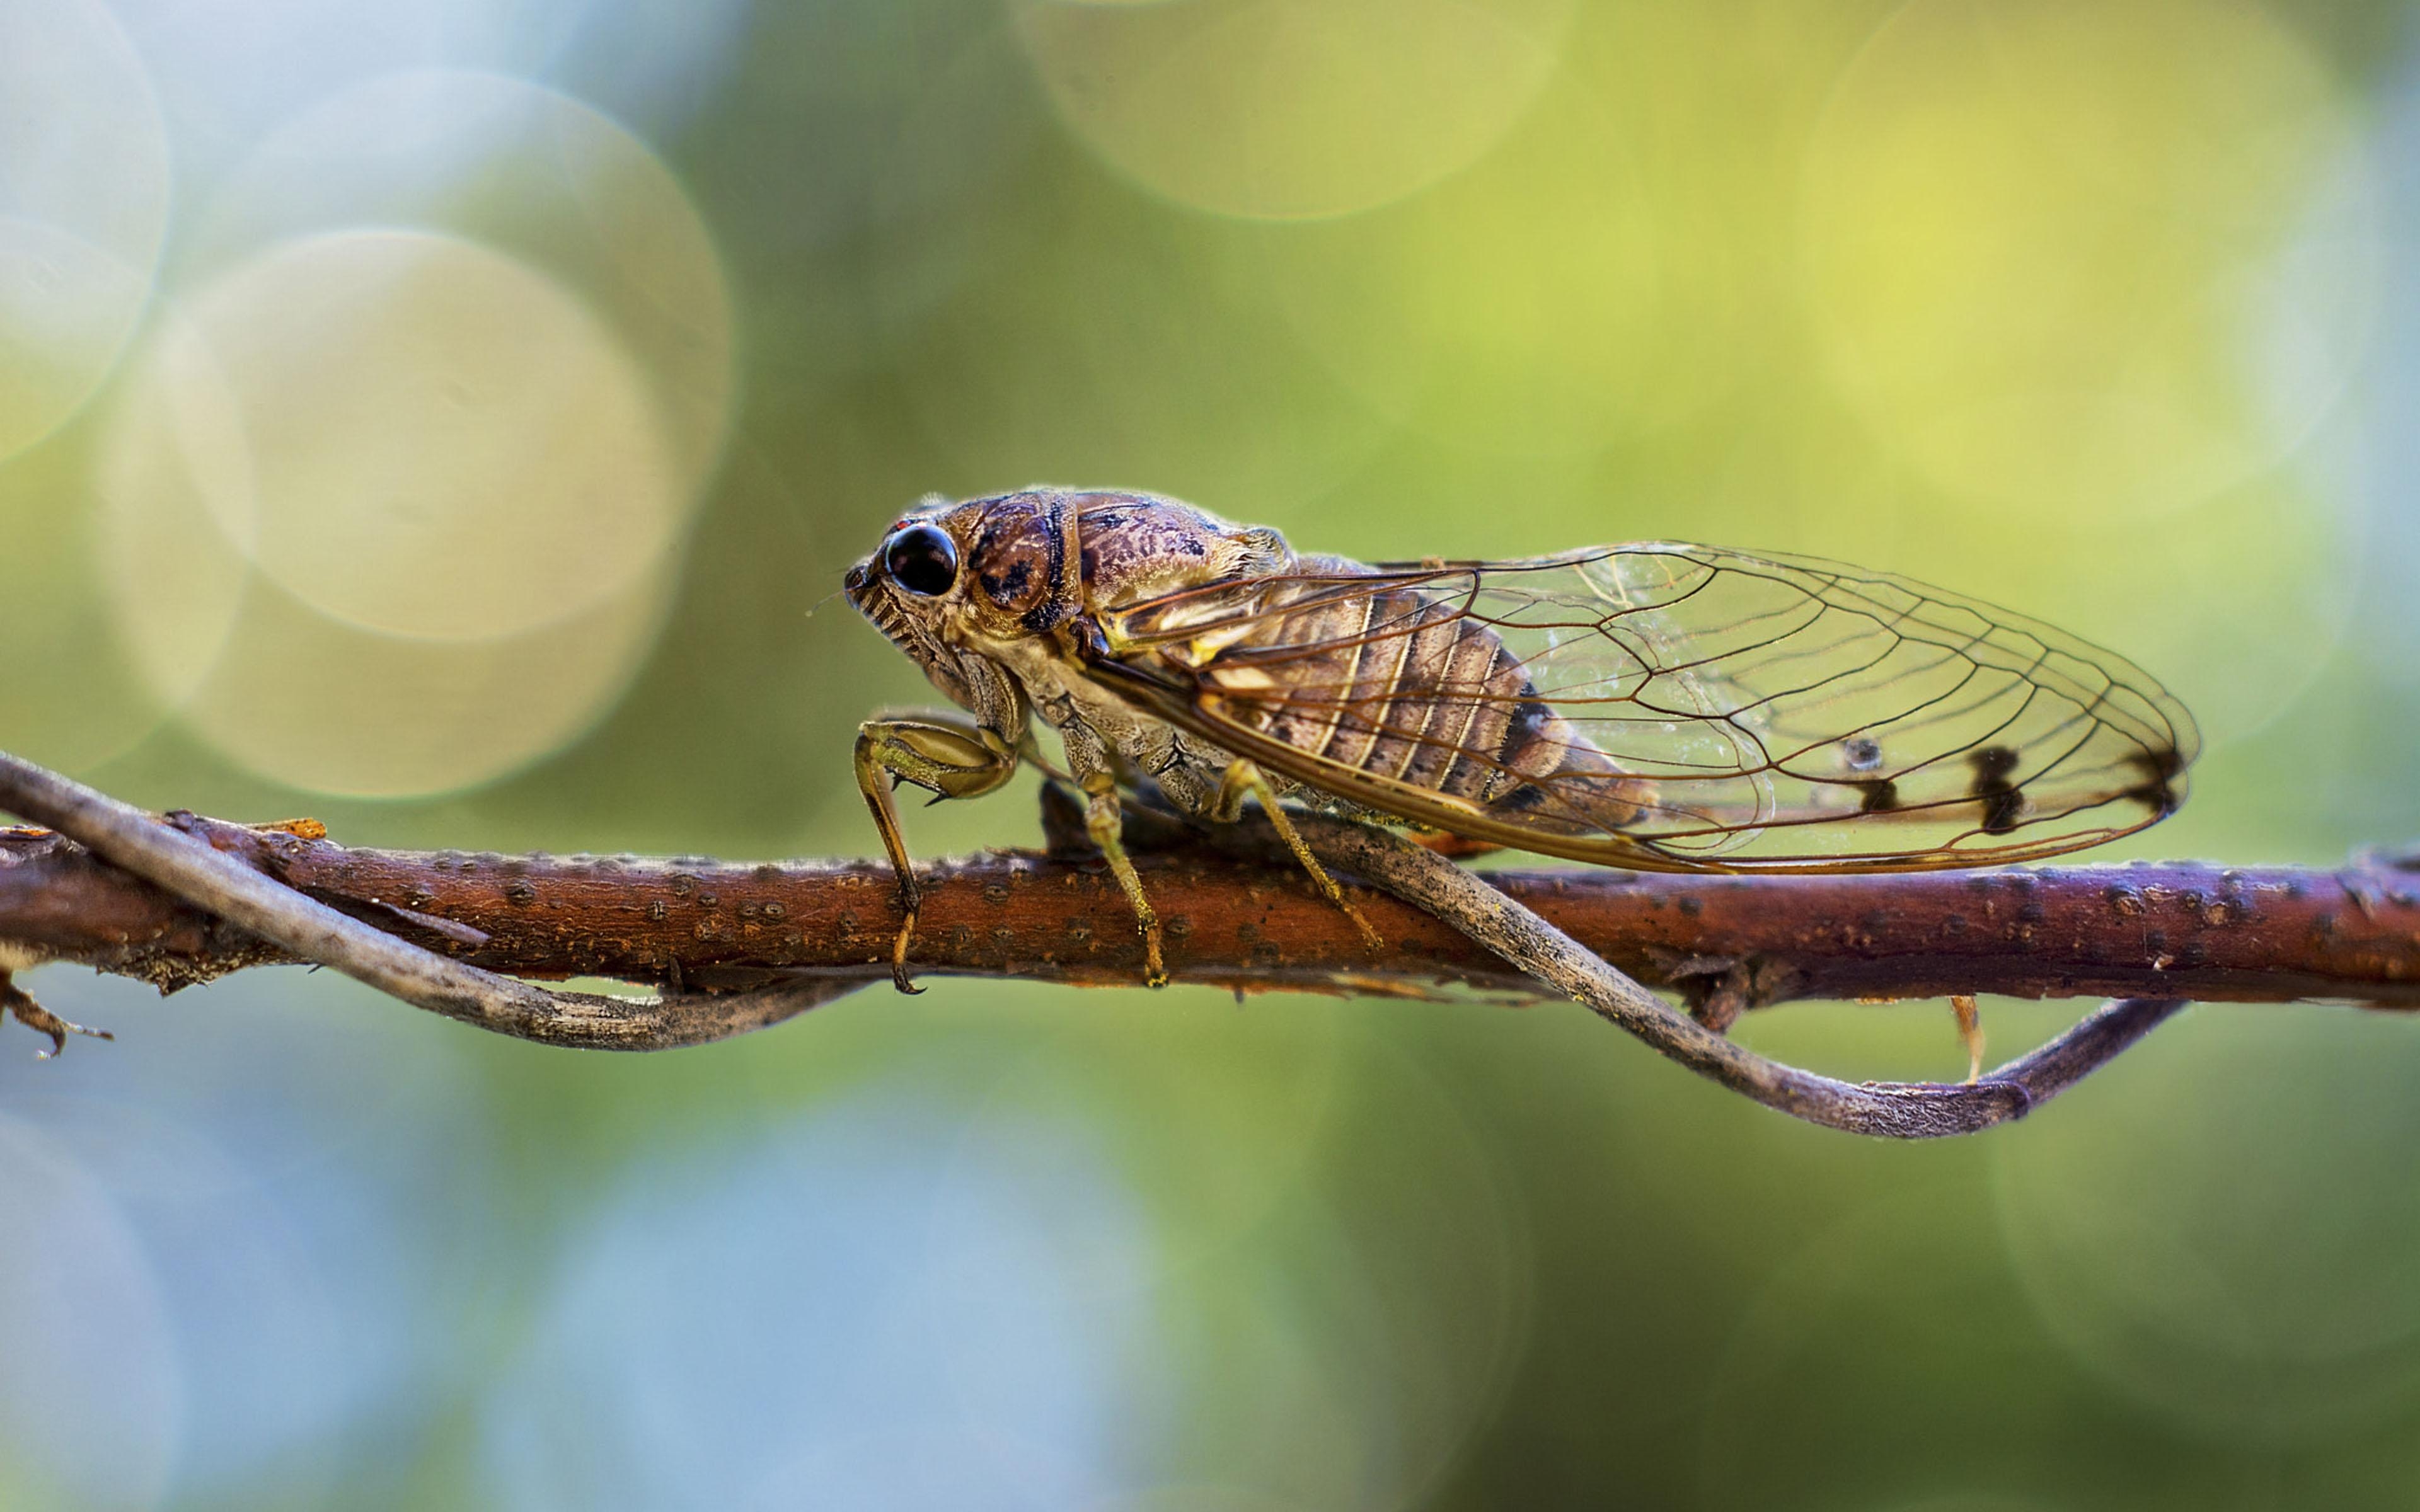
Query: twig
[[1899, 1110], [1727, 943], [742, 946], [189, 867]]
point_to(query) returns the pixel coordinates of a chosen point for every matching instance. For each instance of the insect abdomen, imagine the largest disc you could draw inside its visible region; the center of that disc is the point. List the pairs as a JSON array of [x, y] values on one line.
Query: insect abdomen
[[1405, 687]]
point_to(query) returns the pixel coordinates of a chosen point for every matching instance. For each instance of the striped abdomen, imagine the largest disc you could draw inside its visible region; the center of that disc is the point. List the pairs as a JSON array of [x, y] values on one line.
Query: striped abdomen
[[1400, 685]]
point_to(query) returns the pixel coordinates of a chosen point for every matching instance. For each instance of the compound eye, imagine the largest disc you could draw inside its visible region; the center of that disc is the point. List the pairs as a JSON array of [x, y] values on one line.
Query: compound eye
[[923, 559]]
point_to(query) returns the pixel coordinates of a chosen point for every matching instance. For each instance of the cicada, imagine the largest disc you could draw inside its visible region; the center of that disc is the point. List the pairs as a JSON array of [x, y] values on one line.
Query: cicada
[[1658, 705]]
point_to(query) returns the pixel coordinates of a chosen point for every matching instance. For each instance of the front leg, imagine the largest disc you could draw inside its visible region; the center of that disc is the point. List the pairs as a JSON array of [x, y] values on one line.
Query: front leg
[[950, 757]]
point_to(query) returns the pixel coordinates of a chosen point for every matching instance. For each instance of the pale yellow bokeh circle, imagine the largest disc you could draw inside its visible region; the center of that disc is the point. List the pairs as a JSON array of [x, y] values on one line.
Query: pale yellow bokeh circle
[[386, 515], [527, 171], [83, 203], [2089, 258], [1292, 109], [175, 486], [440, 441], [305, 700]]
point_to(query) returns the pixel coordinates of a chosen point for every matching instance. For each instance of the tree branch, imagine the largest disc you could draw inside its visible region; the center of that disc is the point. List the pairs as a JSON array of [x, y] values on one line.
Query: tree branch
[[2175, 929], [232, 894], [738, 945]]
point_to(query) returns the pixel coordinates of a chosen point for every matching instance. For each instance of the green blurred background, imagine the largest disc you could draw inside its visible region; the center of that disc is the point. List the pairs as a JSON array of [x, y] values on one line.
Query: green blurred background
[[442, 419]]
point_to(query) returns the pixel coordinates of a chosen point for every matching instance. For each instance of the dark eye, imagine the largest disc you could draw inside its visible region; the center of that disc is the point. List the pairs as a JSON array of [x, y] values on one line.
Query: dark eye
[[923, 559]]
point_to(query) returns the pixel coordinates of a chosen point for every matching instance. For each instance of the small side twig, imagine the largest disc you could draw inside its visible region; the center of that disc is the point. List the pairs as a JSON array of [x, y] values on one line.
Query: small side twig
[[1899, 1110], [135, 842]]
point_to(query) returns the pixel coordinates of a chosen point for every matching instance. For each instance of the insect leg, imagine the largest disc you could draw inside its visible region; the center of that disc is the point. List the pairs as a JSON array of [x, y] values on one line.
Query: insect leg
[[1243, 780], [952, 758], [1105, 822], [15, 1002]]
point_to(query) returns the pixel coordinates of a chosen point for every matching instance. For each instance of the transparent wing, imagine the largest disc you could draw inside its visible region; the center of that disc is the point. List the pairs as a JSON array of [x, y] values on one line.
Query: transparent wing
[[1669, 706]]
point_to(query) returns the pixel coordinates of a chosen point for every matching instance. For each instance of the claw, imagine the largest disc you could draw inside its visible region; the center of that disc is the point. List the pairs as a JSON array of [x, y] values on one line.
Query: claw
[[1154, 971], [899, 956], [952, 758], [33, 1015]]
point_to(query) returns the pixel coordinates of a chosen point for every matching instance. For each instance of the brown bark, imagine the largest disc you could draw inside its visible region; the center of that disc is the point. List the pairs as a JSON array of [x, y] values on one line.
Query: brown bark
[[740, 946], [2168, 930]]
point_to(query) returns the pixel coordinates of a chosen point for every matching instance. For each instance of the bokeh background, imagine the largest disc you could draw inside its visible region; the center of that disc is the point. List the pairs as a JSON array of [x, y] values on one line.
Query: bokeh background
[[450, 420]]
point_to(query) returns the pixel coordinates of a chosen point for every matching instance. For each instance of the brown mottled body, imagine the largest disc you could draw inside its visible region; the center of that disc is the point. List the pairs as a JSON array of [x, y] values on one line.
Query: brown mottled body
[[1391, 683], [1657, 706], [998, 600]]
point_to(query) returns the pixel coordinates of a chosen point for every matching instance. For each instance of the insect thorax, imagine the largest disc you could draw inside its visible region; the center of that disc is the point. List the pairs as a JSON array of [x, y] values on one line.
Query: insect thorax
[[1095, 726], [1041, 559]]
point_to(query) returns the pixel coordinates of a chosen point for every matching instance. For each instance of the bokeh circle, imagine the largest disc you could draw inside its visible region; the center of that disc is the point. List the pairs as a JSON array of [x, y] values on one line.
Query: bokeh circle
[[2088, 260], [1293, 109], [527, 171], [387, 514], [84, 206]]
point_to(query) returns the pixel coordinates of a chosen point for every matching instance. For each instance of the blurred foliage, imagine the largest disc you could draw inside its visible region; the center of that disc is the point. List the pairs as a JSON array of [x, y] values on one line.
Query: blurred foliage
[[444, 420]]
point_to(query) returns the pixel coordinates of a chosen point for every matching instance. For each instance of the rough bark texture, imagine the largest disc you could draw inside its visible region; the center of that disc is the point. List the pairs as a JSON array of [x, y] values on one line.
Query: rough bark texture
[[181, 899], [2166, 929]]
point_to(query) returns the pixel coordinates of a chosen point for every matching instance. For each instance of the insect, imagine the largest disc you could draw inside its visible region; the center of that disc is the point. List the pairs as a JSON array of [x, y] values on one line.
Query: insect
[[1657, 706]]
